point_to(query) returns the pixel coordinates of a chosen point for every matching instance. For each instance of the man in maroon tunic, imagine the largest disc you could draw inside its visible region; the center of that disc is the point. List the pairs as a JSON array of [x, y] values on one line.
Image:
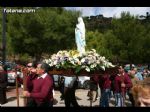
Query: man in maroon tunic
[[105, 85], [121, 83], [41, 87]]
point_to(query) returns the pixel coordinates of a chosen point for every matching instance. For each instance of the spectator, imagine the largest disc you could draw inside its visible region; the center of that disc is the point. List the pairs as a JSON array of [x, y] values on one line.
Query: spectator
[[146, 73], [134, 81], [112, 88], [122, 82], [138, 74], [141, 93], [31, 75], [41, 87], [3, 85], [105, 85]]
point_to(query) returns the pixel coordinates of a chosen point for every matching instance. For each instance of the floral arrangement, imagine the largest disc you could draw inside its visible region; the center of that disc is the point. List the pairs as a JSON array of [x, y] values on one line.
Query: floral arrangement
[[72, 59]]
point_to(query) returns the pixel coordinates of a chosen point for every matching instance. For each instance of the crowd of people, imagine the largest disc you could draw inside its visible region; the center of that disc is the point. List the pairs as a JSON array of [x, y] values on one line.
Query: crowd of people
[[39, 90]]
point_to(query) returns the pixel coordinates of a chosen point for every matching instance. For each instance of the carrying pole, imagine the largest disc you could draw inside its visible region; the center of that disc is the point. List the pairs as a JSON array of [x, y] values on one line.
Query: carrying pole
[[91, 94], [17, 91], [24, 84]]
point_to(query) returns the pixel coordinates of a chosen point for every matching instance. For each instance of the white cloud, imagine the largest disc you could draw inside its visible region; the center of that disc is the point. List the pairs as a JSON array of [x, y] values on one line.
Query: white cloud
[[111, 11], [86, 11]]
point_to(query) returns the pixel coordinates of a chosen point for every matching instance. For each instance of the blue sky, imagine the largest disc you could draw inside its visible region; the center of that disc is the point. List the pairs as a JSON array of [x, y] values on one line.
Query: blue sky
[[110, 11]]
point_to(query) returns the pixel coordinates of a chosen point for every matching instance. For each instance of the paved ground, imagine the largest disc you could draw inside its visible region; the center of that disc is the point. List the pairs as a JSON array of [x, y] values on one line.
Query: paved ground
[[81, 95]]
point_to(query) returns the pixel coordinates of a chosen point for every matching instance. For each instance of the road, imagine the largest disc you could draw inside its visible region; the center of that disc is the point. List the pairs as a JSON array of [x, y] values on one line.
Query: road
[[81, 95]]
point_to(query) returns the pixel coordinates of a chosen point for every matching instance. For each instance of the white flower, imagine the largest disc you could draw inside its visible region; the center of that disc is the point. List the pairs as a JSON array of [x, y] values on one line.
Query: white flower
[[87, 69], [55, 62], [97, 62], [62, 63], [82, 60], [75, 56], [79, 62], [94, 50], [87, 61], [92, 66], [103, 67], [50, 65], [46, 61], [72, 62]]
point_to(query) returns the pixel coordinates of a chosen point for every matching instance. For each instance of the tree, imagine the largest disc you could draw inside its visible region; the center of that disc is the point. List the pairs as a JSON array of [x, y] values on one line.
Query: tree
[[130, 33], [96, 40], [93, 39], [45, 31], [145, 50], [112, 45], [1, 33]]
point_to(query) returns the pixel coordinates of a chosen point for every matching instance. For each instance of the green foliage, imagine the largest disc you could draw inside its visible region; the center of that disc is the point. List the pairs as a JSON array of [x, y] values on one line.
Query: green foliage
[[1, 26], [42, 31], [24, 57], [126, 41], [130, 32], [49, 30], [94, 40]]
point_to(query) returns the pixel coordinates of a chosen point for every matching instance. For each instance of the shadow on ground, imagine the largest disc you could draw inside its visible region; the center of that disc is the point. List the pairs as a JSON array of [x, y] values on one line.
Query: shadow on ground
[[11, 99], [128, 104], [10, 89]]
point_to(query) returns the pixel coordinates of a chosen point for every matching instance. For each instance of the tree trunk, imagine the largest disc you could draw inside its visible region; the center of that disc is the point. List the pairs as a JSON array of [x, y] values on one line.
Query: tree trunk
[[37, 58], [130, 65], [149, 66]]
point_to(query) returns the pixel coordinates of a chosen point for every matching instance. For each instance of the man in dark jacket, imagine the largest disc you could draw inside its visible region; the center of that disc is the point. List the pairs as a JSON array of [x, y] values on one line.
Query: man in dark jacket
[[61, 81], [70, 87], [3, 85]]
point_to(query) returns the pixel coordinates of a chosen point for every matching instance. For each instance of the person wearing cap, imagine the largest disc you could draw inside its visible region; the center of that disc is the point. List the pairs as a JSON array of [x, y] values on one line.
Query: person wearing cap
[[41, 87]]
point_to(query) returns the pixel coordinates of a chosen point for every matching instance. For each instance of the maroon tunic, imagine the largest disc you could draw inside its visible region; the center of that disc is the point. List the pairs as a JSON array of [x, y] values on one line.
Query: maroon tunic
[[105, 82], [118, 80], [41, 89], [29, 81], [95, 78]]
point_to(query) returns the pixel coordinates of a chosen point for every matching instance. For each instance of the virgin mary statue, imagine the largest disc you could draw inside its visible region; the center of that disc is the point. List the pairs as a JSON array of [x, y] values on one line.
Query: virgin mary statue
[[80, 36]]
